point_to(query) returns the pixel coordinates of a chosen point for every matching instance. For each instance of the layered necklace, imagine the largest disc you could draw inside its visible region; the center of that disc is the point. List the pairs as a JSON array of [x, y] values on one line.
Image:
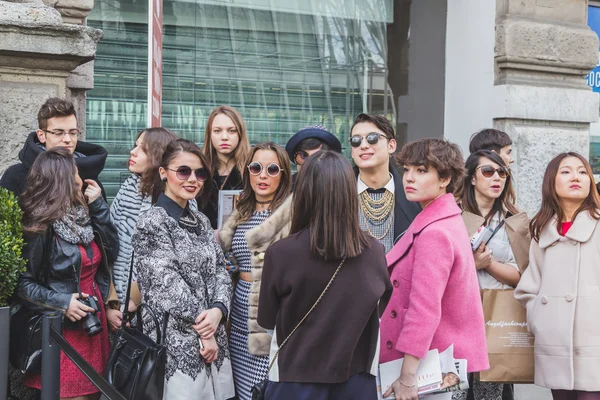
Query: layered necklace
[[377, 210]]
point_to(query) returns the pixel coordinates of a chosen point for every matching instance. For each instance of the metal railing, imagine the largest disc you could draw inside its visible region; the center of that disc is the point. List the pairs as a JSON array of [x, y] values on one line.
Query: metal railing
[[52, 343]]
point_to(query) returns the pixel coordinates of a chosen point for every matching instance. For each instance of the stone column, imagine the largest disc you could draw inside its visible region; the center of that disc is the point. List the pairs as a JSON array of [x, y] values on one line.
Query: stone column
[[38, 53], [543, 51]]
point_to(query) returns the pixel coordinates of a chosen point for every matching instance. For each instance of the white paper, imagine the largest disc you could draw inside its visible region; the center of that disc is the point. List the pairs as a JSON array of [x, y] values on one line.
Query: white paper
[[227, 203]]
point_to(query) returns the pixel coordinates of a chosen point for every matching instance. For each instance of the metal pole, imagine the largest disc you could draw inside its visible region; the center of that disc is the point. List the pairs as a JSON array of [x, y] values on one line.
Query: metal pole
[[50, 358]]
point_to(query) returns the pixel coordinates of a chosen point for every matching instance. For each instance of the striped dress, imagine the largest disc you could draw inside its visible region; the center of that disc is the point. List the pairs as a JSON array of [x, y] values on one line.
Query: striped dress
[[248, 369]]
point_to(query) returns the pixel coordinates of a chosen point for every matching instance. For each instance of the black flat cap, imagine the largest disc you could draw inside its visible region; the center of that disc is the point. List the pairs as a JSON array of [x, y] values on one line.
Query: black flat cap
[[315, 132]]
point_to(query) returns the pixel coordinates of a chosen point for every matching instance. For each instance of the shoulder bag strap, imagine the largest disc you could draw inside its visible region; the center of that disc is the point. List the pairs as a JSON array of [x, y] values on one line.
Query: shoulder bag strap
[[307, 314], [126, 308], [500, 225]]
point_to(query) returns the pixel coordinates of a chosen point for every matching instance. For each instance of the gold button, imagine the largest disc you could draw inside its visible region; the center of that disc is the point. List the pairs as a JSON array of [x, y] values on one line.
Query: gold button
[[261, 256]]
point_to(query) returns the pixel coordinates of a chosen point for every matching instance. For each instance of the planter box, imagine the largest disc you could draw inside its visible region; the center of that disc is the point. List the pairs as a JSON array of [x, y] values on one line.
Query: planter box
[[4, 335]]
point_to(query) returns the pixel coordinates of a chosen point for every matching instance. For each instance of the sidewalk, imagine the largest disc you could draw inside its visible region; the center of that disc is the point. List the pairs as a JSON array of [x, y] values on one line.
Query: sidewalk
[[531, 392]]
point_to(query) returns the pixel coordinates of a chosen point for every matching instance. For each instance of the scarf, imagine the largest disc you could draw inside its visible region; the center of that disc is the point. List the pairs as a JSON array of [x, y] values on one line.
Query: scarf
[[75, 226]]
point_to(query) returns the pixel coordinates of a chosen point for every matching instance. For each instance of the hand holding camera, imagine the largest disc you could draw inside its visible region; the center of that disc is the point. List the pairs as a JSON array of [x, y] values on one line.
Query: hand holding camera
[[84, 308]]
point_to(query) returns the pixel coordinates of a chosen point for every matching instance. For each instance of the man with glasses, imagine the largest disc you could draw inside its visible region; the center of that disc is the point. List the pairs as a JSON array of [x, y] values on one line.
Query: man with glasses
[[57, 122], [384, 211], [308, 141]]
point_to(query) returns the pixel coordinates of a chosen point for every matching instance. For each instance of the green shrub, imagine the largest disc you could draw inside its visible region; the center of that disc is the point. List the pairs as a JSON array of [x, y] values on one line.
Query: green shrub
[[12, 263]]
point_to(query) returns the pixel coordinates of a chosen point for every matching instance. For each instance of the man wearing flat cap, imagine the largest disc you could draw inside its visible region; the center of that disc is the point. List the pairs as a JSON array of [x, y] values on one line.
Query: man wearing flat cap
[[308, 141]]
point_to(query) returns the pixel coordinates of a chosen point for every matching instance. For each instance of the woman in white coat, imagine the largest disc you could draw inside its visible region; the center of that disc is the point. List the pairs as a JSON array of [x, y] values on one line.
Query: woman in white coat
[[561, 287]]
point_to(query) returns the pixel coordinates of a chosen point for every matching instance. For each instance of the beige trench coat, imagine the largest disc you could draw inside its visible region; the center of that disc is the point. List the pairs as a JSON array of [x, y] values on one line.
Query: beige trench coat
[[561, 291]]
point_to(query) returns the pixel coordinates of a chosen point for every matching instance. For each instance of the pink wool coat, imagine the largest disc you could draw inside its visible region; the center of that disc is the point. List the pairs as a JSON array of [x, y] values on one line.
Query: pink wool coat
[[435, 301]]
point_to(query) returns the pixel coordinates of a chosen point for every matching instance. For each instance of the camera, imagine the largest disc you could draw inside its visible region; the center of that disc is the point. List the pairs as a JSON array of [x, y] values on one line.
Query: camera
[[91, 322], [483, 235]]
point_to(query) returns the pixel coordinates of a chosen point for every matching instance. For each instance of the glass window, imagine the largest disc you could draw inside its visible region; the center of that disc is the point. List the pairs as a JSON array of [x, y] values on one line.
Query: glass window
[[283, 64]]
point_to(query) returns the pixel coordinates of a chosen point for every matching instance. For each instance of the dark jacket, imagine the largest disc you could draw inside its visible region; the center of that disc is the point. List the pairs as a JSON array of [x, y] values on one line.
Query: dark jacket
[[340, 337], [89, 157], [65, 265], [211, 210], [404, 211]]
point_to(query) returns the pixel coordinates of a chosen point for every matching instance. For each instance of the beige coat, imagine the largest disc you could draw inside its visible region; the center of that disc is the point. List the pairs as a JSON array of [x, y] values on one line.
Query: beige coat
[[276, 227], [561, 291], [517, 228]]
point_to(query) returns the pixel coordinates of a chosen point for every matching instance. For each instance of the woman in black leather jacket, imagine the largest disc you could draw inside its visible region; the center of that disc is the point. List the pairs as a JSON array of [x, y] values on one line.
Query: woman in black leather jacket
[[70, 245]]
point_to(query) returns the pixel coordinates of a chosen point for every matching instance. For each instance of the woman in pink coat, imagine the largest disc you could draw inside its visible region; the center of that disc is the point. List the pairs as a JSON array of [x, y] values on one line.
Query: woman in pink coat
[[435, 301]]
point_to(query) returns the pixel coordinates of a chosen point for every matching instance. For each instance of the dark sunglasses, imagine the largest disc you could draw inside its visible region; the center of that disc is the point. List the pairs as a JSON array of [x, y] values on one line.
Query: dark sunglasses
[[256, 168], [488, 171], [184, 172], [372, 138], [303, 156]]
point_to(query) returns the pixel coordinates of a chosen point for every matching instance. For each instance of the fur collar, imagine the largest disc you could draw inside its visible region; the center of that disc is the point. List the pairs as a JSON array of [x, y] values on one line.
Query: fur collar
[[265, 232]]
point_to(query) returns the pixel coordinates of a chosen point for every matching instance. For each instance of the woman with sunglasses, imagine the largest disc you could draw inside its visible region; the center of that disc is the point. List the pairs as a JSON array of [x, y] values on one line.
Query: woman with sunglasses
[[485, 201], [436, 301], [181, 271], [136, 194], [226, 147], [561, 287], [263, 216]]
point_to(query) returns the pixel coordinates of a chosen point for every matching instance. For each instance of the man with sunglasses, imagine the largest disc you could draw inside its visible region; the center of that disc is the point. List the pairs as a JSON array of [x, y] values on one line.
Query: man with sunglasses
[[308, 141], [57, 122], [384, 210]]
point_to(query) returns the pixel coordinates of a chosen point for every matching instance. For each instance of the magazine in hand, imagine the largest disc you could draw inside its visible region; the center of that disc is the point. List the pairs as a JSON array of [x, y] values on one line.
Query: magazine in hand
[[437, 373]]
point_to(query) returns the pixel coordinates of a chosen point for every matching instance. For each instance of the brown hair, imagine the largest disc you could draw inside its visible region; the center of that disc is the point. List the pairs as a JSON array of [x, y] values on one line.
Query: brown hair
[[247, 202], [242, 148], [155, 142], [467, 195], [440, 154], [171, 152], [51, 190], [54, 107], [381, 122], [551, 202], [325, 201]]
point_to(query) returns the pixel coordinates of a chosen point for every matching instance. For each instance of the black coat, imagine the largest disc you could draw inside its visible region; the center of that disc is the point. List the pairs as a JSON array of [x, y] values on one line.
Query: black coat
[[90, 162], [404, 211], [211, 209], [65, 264]]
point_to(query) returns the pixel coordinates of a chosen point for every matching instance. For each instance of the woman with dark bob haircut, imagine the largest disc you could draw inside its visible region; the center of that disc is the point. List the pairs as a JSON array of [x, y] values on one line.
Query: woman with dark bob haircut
[[326, 248], [436, 301]]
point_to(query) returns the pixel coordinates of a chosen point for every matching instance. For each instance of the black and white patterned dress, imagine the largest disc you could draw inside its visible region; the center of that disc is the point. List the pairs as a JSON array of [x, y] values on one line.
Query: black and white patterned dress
[[247, 368], [181, 270]]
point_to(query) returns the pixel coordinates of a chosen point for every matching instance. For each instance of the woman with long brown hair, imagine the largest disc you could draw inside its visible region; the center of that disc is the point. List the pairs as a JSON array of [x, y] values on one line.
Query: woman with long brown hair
[[486, 201], [136, 194], [262, 217], [226, 147], [81, 243], [333, 354], [561, 287]]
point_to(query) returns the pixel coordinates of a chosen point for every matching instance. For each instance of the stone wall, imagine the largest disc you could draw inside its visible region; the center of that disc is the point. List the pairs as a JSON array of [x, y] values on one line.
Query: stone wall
[[544, 49], [40, 56]]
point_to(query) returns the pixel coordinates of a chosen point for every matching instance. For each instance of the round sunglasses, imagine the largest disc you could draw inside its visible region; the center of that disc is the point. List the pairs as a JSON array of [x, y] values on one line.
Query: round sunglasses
[[256, 168], [184, 172], [488, 171], [372, 138]]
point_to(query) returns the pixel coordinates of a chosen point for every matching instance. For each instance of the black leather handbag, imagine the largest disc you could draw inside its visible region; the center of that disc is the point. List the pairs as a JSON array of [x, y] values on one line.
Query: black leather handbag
[[136, 365], [25, 353], [258, 391]]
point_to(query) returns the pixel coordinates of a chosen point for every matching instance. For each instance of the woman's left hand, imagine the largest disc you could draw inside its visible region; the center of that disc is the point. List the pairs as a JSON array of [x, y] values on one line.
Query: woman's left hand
[[207, 322], [92, 191], [210, 350], [403, 392]]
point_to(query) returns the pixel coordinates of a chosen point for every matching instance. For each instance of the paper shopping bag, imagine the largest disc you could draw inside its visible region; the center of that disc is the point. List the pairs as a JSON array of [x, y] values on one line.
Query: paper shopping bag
[[510, 345]]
